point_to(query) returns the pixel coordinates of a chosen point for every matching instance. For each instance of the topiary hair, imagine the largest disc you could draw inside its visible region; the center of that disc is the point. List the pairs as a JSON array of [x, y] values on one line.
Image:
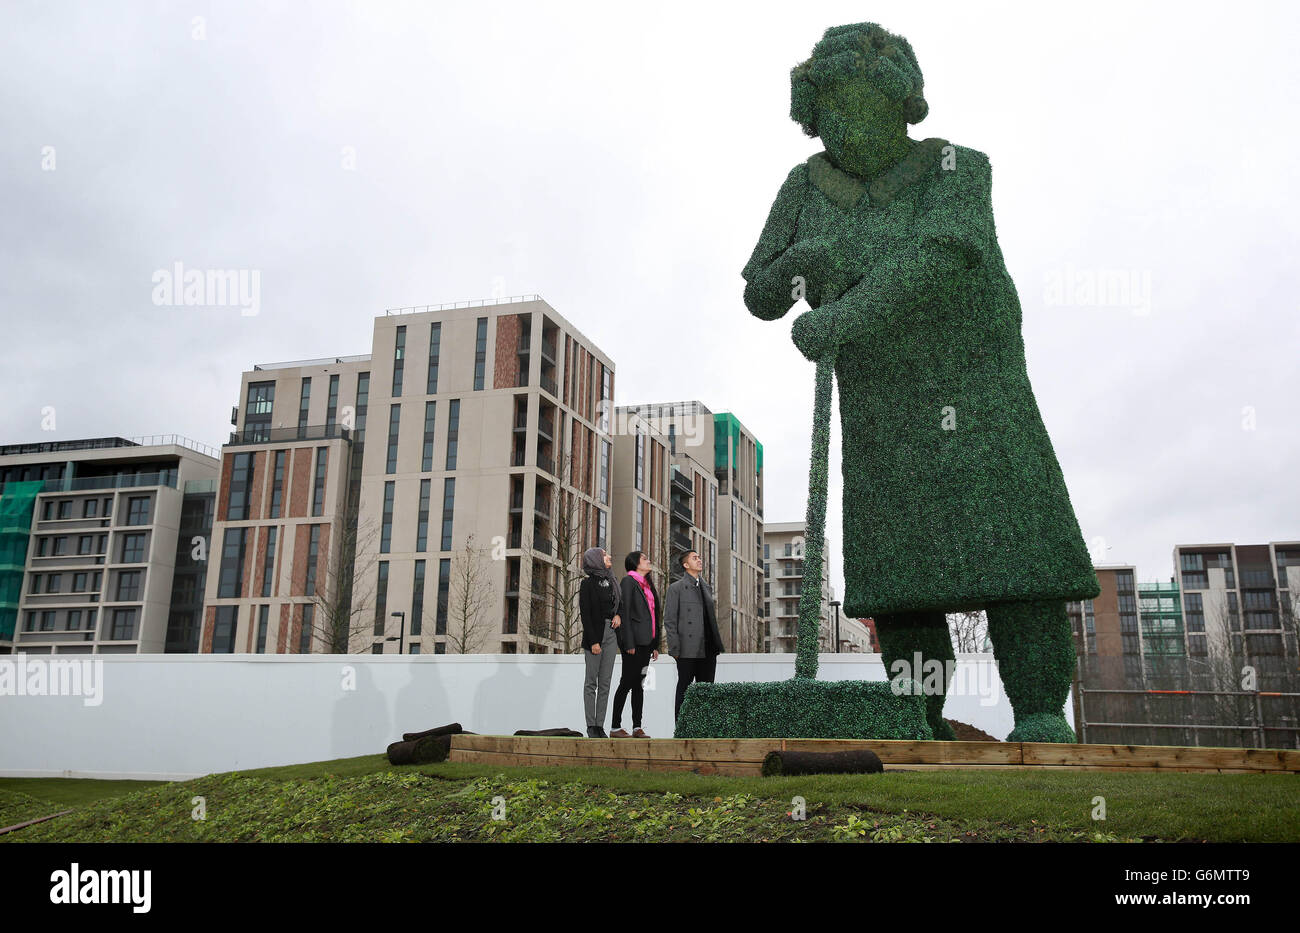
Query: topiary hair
[[860, 49]]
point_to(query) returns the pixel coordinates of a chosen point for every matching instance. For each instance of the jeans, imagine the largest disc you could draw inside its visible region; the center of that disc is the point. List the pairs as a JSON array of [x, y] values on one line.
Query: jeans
[[634, 666], [595, 688], [700, 670]]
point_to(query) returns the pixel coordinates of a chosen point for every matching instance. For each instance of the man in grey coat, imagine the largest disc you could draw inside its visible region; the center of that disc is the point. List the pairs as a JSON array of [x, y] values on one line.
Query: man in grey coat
[[691, 623]]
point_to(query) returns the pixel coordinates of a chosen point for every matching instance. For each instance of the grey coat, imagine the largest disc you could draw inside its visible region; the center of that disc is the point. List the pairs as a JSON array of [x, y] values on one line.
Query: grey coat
[[691, 619]]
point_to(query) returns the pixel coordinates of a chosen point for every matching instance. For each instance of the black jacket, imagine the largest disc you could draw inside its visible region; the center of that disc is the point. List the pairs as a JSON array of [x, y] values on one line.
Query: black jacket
[[635, 613], [596, 600]]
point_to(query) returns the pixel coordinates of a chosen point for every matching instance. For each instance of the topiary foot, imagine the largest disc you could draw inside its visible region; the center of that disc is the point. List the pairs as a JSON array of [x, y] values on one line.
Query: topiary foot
[[1042, 727]]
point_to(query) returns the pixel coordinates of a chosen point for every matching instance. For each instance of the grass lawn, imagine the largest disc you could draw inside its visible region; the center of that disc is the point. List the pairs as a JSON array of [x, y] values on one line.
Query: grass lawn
[[367, 800]]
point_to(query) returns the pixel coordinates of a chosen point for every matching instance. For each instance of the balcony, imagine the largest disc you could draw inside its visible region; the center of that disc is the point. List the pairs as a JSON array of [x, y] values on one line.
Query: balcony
[[517, 501], [545, 464], [515, 539], [548, 351], [680, 541], [117, 481], [546, 427], [521, 420], [682, 511], [264, 435], [548, 385], [542, 543], [682, 483], [525, 343], [542, 509]]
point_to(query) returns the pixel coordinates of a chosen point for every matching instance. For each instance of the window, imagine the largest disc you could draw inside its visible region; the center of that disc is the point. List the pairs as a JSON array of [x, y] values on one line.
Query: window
[[734, 526], [123, 623], [262, 620], [313, 551], [1124, 581], [257, 411], [65, 508], [480, 353], [223, 630], [448, 507], [639, 472], [268, 566], [1195, 580], [453, 432], [42, 546], [640, 510], [231, 575], [386, 529], [277, 484], [132, 548], [363, 406], [600, 528], [1127, 604], [604, 472], [60, 545], [435, 343], [73, 621], [90, 508], [417, 600], [35, 583], [304, 404], [79, 582], [305, 633], [47, 510], [381, 598], [735, 579], [399, 351], [318, 491], [394, 423], [332, 408], [430, 413], [137, 510], [1193, 562], [444, 588], [241, 480], [422, 519], [128, 585]]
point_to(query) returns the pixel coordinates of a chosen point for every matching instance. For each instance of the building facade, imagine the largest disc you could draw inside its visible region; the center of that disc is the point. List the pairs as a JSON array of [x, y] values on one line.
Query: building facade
[[728, 530], [103, 542], [435, 494]]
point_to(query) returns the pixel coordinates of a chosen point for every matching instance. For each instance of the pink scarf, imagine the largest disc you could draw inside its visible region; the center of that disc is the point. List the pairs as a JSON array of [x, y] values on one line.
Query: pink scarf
[[649, 597]]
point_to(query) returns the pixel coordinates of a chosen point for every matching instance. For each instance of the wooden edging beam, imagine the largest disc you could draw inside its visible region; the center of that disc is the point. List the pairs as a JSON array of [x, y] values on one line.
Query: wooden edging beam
[[745, 756]]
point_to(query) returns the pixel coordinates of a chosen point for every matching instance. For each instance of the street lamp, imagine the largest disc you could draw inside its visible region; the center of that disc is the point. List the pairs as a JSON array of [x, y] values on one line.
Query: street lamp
[[402, 636], [836, 604]]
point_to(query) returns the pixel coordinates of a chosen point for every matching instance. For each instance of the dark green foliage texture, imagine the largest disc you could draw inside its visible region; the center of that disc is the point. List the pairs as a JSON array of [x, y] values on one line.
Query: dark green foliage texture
[[905, 635], [953, 497], [802, 708]]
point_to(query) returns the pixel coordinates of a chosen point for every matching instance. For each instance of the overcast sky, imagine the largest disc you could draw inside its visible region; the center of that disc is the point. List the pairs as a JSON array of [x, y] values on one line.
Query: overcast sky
[[620, 161]]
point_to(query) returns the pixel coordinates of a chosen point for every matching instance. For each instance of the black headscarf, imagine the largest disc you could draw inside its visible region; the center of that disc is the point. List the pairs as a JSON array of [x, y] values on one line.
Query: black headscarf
[[593, 562]]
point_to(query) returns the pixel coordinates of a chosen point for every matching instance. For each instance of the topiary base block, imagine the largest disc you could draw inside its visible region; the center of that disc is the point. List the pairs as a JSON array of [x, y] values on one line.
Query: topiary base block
[[802, 708]]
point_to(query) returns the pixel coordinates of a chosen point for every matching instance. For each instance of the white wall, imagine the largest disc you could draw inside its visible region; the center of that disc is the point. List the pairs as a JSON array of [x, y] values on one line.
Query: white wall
[[180, 716]]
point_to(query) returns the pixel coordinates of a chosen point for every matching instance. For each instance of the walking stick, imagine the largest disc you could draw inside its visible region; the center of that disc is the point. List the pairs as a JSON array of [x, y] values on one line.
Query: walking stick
[[810, 600]]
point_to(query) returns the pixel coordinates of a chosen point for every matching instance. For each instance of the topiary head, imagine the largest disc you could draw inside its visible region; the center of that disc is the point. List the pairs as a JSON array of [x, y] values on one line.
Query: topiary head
[[860, 88]]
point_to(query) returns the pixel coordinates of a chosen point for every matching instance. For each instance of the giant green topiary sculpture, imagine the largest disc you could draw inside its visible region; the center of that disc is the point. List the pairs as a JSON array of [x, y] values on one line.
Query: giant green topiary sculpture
[[953, 498]]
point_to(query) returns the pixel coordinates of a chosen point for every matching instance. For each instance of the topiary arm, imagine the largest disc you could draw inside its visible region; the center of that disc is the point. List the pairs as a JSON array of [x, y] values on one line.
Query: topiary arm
[[768, 290], [951, 237]]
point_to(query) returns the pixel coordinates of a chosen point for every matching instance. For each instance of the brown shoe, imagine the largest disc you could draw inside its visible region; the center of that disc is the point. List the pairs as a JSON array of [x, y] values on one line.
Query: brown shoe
[[638, 734], [619, 734]]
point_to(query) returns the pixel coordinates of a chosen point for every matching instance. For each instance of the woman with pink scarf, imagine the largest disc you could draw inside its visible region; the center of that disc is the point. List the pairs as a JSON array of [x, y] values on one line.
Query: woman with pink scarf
[[639, 638]]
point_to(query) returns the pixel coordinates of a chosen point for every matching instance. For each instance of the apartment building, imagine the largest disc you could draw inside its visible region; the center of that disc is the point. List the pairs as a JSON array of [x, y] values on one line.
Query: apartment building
[[1107, 632], [103, 542], [665, 512], [730, 539], [460, 531], [1239, 600], [783, 582]]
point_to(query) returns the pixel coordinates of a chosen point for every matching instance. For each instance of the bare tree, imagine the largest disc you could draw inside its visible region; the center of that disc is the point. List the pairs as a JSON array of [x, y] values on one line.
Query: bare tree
[[470, 599], [344, 599], [969, 630], [555, 611]]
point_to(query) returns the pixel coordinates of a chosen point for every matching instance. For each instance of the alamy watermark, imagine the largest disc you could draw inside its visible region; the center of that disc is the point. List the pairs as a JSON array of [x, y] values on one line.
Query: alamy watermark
[[208, 288], [56, 677]]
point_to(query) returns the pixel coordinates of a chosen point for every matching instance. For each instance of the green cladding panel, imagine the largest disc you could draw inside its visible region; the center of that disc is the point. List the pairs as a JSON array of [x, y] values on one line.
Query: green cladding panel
[[16, 504]]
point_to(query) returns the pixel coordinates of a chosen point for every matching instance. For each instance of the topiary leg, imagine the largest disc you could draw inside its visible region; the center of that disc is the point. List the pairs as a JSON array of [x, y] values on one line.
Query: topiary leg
[[1035, 653], [902, 636]]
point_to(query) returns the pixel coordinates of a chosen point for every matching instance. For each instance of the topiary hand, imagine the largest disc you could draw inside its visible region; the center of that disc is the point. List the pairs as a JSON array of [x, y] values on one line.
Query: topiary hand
[[823, 265], [814, 333]]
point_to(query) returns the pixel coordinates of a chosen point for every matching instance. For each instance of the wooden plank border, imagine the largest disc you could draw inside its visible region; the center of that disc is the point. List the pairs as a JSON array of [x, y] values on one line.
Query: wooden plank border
[[745, 756]]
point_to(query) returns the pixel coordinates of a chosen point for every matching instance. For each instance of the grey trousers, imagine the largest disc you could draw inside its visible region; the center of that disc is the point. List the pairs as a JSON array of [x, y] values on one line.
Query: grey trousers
[[595, 689]]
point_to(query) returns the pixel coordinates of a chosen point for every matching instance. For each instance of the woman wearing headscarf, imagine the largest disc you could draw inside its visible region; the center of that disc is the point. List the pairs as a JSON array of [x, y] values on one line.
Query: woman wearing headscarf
[[639, 640], [598, 601]]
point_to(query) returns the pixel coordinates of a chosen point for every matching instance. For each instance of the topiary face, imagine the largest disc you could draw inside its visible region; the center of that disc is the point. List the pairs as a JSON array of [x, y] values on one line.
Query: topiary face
[[857, 123]]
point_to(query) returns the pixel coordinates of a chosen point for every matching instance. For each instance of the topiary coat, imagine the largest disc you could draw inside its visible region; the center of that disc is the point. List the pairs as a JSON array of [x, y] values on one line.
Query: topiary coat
[[953, 496]]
